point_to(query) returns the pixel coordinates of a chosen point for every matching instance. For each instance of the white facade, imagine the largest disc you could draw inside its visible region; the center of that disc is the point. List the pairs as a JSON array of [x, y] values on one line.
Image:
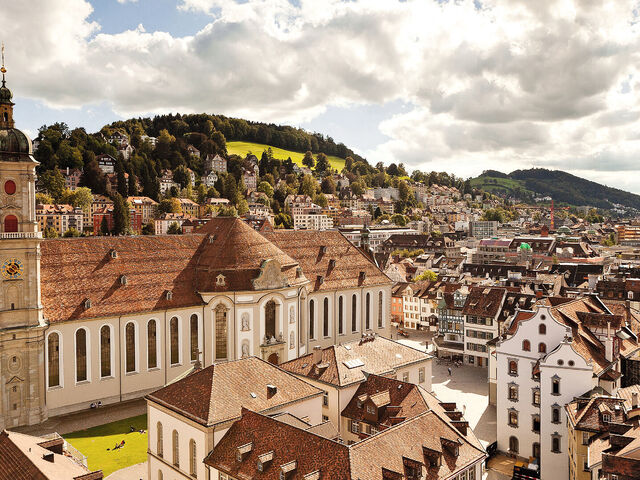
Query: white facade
[[312, 222], [522, 397]]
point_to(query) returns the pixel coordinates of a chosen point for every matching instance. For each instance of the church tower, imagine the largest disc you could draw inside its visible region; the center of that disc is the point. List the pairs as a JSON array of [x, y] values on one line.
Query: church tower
[[22, 362]]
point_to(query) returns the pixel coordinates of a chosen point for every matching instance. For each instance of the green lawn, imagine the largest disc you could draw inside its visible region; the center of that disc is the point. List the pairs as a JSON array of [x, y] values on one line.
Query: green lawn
[[242, 148], [95, 441]]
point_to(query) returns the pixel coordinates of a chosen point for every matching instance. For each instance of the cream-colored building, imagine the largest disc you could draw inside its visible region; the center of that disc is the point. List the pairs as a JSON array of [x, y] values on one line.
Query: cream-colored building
[[114, 318], [189, 417], [339, 369]]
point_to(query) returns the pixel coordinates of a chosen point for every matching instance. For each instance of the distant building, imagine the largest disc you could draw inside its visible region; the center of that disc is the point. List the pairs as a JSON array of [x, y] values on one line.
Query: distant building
[[483, 229], [210, 179], [193, 151], [165, 220], [72, 178], [145, 206], [215, 163], [59, 217], [166, 182], [106, 163], [135, 220], [312, 221]]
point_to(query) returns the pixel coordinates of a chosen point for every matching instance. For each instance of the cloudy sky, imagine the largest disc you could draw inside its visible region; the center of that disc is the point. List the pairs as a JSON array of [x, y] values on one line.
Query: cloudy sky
[[458, 86]]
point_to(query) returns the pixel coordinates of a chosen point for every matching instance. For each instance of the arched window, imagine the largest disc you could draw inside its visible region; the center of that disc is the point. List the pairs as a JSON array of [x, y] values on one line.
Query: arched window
[[513, 445], [312, 320], [555, 444], [270, 319], [542, 329], [10, 223], [192, 458], [542, 348], [555, 386], [325, 317], [193, 330], [555, 415], [105, 351], [53, 356], [536, 450], [174, 335], [81, 355], [176, 449], [152, 344], [221, 332], [368, 312], [160, 477], [159, 440], [340, 315], [354, 313], [130, 347], [380, 309], [513, 367], [526, 345]]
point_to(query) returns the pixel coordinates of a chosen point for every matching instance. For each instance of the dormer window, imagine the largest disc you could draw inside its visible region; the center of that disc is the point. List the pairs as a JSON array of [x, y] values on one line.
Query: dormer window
[[323, 249], [263, 460], [87, 304], [332, 263], [113, 253], [606, 418], [168, 295], [242, 450], [221, 281], [320, 279], [371, 410], [123, 280]]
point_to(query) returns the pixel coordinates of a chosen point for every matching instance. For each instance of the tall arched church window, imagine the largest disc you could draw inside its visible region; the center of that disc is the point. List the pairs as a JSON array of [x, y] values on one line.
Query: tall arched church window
[[152, 344], [174, 335], [221, 332], [105, 351], [53, 357], [81, 355]]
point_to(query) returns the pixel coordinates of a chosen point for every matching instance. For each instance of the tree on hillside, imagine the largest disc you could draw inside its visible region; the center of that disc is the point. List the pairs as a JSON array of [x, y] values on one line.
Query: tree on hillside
[[80, 197], [169, 205], [308, 160], [71, 232], [348, 164], [93, 177], [133, 184], [174, 229], [123, 187], [308, 186], [53, 182], [50, 232], [322, 163], [121, 221], [328, 186], [43, 199], [427, 275], [181, 176], [104, 226]]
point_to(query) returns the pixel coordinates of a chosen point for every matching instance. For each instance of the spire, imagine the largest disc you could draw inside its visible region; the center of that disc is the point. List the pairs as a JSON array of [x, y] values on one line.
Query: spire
[[2, 69]]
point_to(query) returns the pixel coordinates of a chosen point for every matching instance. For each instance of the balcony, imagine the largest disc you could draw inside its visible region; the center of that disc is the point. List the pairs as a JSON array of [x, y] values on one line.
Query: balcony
[[15, 235]]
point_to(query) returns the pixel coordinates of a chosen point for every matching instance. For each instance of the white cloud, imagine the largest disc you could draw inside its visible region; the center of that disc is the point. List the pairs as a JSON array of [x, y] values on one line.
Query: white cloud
[[509, 85]]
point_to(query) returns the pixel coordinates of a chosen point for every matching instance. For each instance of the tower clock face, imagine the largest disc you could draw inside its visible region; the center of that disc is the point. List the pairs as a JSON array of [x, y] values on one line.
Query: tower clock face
[[12, 269]]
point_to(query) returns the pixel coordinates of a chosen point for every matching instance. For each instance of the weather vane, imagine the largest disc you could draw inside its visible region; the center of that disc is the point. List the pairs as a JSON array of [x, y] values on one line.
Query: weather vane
[[2, 69]]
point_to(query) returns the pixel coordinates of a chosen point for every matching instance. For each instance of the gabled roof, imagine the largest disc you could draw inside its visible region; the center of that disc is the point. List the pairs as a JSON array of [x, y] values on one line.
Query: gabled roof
[[484, 301], [328, 255], [345, 364], [217, 393]]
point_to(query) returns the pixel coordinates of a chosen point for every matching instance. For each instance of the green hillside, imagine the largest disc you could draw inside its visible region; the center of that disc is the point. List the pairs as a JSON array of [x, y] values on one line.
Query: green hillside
[[561, 186], [242, 148]]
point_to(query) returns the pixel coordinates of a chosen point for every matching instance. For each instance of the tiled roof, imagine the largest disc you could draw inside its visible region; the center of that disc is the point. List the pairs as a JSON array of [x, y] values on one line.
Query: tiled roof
[[378, 356], [311, 452], [409, 440], [329, 256], [76, 269], [22, 458], [484, 301], [405, 397], [586, 413], [80, 269], [217, 393]]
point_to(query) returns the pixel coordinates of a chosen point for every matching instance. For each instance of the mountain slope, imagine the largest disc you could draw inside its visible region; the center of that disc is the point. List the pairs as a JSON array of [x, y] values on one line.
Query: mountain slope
[[561, 186]]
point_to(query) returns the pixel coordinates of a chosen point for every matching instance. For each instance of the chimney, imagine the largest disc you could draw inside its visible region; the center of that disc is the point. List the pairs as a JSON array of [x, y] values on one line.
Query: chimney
[[271, 390], [634, 400], [49, 457], [608, 344], [317, 354]]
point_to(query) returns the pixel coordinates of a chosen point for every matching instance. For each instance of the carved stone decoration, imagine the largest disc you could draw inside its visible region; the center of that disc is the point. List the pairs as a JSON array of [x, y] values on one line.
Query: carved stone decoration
[[245, 322], [292, 315], [245, 349], [292, 340], [270, 276]]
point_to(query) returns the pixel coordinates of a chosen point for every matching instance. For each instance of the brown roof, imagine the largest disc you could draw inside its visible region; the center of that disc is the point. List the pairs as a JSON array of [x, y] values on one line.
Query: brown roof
[[217, 393], [311, 452], [586, 414], [22, 458], [484, 301], [404, 397], [76, 269], [345, 364], [315, 250]]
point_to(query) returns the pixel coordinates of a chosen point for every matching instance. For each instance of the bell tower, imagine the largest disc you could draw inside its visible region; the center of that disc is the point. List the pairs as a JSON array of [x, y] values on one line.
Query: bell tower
[[22, 328]]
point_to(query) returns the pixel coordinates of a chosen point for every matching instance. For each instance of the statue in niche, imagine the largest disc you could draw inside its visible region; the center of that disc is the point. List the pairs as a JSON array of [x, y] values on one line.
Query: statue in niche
[[280, 337], [292, 315], [292, 340], [245, 350], [245, 322]]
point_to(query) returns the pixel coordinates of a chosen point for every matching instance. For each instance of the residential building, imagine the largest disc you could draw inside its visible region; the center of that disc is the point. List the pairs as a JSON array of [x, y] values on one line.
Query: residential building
[[167, 182], [450, 340], [126, 151], [193, 151], [483, 228], [135, 220], [165, 220], [312, 221], [189, 207], [60, 217], [425, 446], [210, 179], [481, 322], [152, 140], [106, 163], [491, 250], [189, 417], [215, 163], [397, 305], [550, 356], [339, 369], [41, 458], [144, 206], [99, 202], [250, 179], [373, 237], [72, 178], [118, 139]]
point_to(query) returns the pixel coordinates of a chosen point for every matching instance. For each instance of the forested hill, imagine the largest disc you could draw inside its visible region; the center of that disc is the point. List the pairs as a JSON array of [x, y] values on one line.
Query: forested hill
[[561, 186]]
